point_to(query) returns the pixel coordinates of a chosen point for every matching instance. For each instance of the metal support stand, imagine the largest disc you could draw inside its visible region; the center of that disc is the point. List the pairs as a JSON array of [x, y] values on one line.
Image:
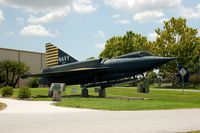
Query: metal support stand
[[50, 93], [84, 92], [183, 84], [102, 92]]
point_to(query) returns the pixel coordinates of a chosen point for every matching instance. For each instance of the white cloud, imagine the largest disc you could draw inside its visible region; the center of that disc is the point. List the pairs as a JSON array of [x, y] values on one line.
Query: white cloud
[[49, 17], [162, 20], [37, 5], [190, 13], [122, 21], [36, 30], [147, 16], [84, 6], [100, 34], [116, 16], [44, 6], [19, 20], [198, 6], [10, 33], [118, 20], [143, 5], [152, 36], [100, 45], [1, 17], [146, 10], [119, 4]]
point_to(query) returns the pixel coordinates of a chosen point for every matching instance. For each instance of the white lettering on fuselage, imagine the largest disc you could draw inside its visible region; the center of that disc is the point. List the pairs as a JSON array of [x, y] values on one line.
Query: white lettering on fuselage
[[63, 59]]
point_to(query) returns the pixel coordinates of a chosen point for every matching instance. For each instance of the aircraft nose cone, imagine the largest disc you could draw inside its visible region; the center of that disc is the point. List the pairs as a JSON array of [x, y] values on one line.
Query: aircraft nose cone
[[168, 58], [163, 60]]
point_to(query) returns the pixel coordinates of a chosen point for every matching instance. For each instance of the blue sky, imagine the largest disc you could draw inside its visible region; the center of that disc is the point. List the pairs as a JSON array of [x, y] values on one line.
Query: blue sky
[[81, 27]]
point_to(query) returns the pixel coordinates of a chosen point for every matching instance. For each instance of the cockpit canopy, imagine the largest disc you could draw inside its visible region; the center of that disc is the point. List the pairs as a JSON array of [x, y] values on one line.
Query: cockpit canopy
[[135, 54]]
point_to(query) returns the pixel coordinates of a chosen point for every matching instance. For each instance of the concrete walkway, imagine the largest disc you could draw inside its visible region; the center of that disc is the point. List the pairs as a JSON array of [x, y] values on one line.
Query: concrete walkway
[[42, 117], [33, 107]]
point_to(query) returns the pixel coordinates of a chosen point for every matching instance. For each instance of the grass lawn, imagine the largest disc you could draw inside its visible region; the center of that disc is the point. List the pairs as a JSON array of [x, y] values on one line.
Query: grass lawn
[[156, 99], [2, 106]]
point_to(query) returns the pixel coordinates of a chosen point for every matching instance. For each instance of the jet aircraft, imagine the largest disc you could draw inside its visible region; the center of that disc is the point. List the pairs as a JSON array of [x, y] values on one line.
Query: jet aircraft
[[62, 68]]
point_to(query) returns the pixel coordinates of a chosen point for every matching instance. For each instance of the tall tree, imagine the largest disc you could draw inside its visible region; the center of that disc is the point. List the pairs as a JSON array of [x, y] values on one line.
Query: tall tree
[[13, 70], [21, 69], [119, 45], [177, 39]]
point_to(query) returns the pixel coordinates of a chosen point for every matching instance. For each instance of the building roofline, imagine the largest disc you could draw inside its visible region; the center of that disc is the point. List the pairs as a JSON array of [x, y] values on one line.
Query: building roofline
[[17, 50]]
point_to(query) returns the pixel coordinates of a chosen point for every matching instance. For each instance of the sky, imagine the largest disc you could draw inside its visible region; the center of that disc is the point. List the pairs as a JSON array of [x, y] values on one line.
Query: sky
[[81, 27]]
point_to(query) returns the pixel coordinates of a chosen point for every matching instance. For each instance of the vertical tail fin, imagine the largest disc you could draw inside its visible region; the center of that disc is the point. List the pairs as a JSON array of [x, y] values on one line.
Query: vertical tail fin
[[55, 56]]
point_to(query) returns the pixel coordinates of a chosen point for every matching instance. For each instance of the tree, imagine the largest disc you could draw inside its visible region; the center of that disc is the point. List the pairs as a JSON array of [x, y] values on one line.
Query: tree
[[151, 75], [2, 77], [176, 39], [5, 66], [119, 45], [195, 79], [21, 68], [13, 70]]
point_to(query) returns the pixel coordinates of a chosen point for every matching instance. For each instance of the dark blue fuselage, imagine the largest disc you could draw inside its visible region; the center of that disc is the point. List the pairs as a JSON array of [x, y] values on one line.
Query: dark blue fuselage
[[93, 71]]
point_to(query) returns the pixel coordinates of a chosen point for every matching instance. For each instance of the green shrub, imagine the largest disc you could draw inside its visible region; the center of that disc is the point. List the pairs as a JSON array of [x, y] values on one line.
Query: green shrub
[[195, 79], [24, 92], [7, 91], [34, 83]]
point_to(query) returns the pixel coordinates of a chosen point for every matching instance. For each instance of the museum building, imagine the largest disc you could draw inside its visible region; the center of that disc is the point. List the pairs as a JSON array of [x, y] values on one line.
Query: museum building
[[35, 60]]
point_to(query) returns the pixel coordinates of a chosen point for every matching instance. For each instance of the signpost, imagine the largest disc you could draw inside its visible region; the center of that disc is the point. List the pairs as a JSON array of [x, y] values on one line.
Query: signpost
[[57, 88], [182, 72]]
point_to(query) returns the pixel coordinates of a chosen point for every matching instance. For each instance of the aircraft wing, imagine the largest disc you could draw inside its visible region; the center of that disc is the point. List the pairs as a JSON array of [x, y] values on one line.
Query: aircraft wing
[[68, 72]]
